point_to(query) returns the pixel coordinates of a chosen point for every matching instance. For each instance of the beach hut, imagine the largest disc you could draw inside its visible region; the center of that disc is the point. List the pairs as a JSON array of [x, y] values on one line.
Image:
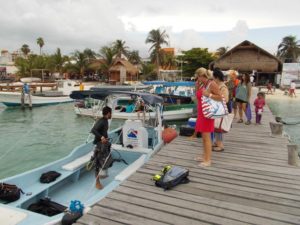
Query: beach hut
[[121, 71], [247, 57]]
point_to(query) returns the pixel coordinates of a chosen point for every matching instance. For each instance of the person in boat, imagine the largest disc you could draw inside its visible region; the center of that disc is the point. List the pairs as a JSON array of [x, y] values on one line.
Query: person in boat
[[102, 157], [26, 95], [140, 108]]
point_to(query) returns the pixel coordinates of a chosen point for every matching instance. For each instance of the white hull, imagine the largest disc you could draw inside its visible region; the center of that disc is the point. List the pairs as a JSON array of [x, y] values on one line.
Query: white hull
[[14, 99], [179, 114]]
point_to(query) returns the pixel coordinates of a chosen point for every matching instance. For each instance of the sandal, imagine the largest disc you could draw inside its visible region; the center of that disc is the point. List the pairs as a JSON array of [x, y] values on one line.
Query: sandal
[[205, 164], [218, 149], [240, 121]]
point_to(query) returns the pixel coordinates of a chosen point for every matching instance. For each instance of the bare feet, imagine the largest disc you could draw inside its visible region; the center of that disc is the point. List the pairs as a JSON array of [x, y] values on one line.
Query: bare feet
[[192, 137], [205, 164], [98, 184], [198, 158]]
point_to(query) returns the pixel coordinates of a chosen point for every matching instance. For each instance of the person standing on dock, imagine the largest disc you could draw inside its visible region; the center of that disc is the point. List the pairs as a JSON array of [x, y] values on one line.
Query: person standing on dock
[[102, 156], [218, 77], [259, 104], [243, 95], [210, 89]]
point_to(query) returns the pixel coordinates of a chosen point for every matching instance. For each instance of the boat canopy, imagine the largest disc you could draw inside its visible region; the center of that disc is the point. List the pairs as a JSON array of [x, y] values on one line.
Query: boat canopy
[[101, 95], [170, 84]]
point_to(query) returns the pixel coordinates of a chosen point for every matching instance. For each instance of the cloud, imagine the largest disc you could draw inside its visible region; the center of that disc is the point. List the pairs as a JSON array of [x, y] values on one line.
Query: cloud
[[79, 24]]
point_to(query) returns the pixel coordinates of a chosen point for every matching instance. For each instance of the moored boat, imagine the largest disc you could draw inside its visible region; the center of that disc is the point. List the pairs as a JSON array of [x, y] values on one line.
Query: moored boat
[[133, 143]]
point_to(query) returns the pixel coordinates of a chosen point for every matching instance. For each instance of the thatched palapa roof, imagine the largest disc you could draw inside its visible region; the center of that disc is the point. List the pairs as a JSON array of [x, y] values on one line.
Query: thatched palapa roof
[[247, 56], [131, 69]]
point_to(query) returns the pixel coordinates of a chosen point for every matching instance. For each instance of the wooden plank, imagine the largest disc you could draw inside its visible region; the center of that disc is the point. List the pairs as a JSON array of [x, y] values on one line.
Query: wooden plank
[[217, 214], [212, 202], [176, 209], [119, 217], [157, 215], [232, 195], [89, 219]]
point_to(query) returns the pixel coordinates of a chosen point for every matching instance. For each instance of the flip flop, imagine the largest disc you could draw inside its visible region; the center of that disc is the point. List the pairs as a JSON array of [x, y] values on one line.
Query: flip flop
[[218, 150], [205, 164]]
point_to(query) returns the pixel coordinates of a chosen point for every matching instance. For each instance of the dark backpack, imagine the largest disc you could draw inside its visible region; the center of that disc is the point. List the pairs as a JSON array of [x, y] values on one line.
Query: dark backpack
[[49, 177], [47, 207], [9, 192], [174, 176]]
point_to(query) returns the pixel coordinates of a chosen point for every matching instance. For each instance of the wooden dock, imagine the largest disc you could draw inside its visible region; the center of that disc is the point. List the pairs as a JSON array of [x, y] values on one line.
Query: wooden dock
[[249, 183]]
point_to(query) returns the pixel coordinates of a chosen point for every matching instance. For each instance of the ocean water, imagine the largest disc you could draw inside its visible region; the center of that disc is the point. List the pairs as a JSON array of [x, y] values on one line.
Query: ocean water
[[289, 110], [29, 139]]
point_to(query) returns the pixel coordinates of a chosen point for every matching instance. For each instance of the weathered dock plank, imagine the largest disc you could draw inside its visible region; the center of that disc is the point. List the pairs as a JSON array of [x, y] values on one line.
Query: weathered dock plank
[[249, 183]]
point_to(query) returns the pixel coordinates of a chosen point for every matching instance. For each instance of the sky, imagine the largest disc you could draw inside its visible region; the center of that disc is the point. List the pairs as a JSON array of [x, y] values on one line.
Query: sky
[[77, 24]]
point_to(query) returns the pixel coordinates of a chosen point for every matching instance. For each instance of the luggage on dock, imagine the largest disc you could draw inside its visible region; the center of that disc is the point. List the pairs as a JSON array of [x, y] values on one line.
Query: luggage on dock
[[9, 192], [171, 176], [186, 130]]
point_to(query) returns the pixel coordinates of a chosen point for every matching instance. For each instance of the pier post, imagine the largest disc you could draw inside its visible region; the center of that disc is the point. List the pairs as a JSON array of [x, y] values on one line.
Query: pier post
[[293, 157], [276, 129]]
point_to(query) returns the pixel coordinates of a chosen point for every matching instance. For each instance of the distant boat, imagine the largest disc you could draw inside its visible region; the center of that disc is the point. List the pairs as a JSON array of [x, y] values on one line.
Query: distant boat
[[174, 107], [61, 95], [134, 143]]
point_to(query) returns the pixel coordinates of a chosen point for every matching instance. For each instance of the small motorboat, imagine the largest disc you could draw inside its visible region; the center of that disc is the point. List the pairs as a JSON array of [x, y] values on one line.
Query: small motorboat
[[134, 143], [38, 98]]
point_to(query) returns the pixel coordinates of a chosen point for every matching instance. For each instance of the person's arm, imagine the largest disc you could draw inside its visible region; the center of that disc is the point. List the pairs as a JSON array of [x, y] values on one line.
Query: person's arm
[[249, 88], [98, 129], [213, 92]]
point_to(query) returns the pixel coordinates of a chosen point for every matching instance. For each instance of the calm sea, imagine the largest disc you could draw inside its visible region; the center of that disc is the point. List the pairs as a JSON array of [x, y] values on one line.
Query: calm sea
[[29, 139]]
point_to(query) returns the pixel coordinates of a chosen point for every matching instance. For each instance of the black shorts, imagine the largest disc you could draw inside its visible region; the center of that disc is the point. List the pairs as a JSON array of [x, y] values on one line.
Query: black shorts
[[240, 101]]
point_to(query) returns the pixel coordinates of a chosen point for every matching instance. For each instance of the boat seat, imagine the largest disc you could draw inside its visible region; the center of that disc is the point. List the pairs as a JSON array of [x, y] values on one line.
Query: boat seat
[[78, 163]]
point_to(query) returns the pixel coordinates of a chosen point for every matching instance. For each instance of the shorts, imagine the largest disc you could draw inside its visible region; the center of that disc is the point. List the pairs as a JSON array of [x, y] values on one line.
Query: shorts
[[240, 101]]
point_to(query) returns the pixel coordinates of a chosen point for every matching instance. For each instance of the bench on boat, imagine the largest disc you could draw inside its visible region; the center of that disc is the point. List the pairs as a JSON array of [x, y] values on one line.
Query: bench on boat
[[78, 163]]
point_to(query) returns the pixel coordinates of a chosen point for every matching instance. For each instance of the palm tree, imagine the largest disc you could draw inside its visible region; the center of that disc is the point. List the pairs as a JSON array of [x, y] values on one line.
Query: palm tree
[[107, 54], [41, 43], [134, 57], [120, 48], [222, 50], [157, 38], [25, 49], [289, 49]]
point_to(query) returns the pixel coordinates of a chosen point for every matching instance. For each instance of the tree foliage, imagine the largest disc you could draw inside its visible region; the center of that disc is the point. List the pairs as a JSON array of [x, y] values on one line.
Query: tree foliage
[[157, 38], [40, 42], [289, 49], [195, 58]]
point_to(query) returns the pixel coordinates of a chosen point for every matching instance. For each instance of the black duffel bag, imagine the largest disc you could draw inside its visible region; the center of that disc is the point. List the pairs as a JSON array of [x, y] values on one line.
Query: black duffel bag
[[9, 192], [47, 207], [49, 177]]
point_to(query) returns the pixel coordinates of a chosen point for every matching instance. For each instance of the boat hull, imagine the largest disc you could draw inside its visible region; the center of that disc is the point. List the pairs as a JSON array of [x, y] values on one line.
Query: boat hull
[[14, 99], [74, 183], [179, 114]]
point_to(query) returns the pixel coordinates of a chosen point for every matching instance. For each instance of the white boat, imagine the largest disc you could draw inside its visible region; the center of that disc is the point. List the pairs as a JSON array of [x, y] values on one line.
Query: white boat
[[61, 95], [135, 143], [175, 107]]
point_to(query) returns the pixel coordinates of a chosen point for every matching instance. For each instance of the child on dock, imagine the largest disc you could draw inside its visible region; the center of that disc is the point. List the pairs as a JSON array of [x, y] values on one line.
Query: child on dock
[[259, 104]]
